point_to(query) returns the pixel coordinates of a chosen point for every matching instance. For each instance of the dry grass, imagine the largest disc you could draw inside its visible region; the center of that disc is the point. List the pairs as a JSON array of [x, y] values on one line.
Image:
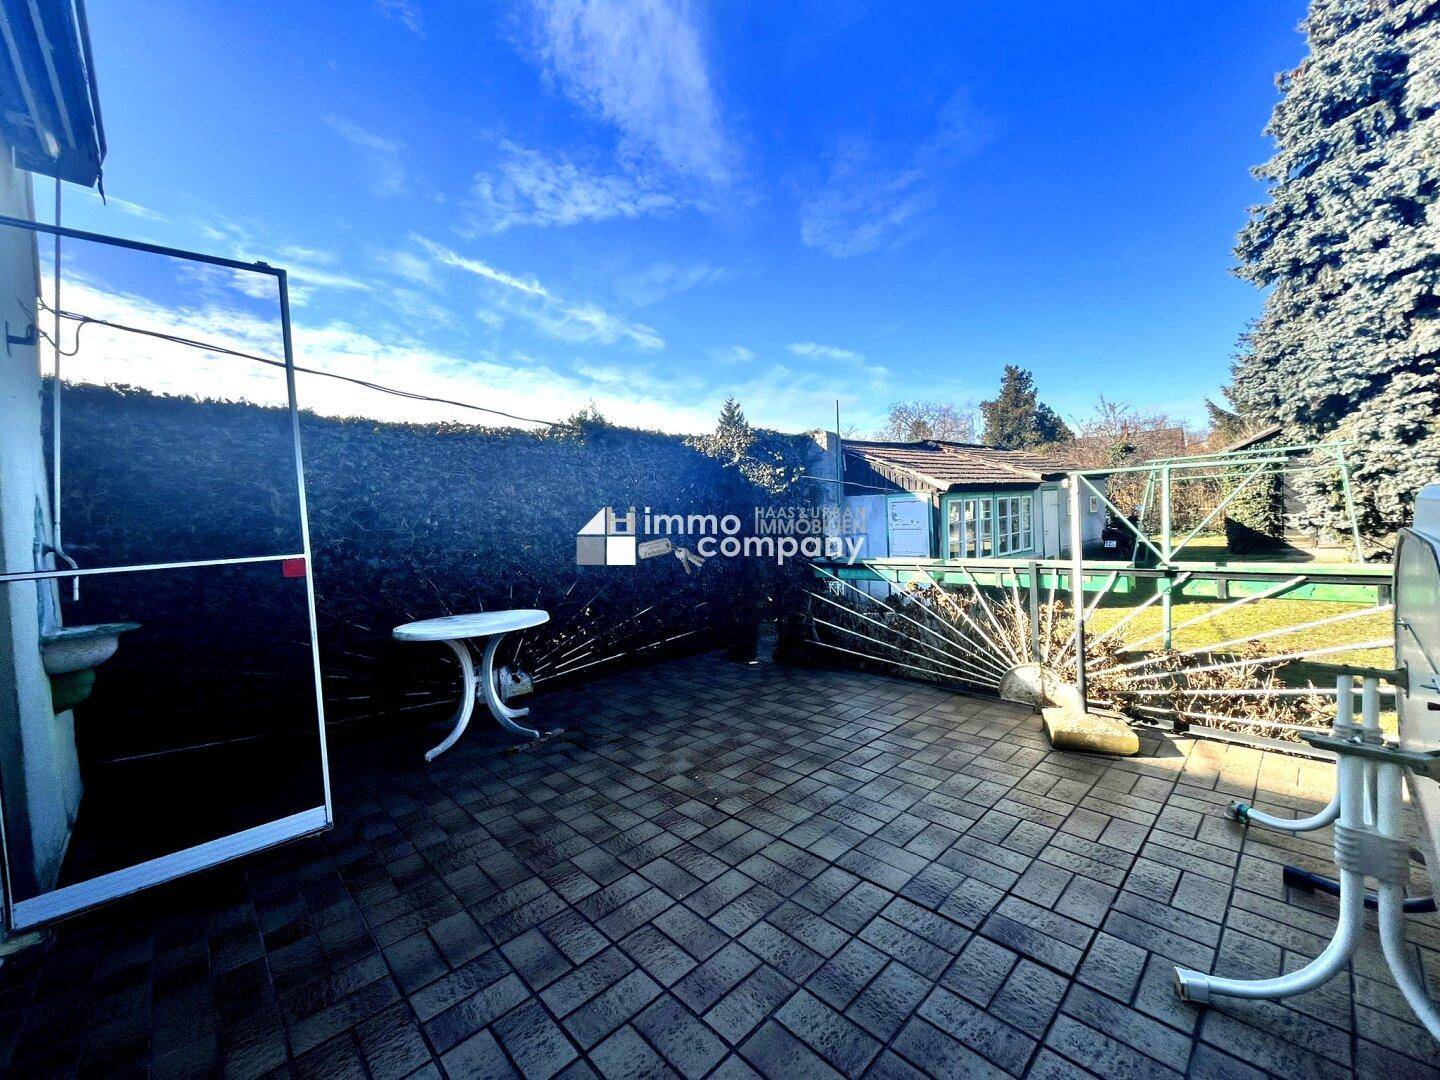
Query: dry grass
[[1256, 618], [920, 631], [1259, 715]]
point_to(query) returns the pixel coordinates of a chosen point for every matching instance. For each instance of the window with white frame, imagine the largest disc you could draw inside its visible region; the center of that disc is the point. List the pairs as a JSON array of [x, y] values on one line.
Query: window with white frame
[[1014, 531], [969, 522]]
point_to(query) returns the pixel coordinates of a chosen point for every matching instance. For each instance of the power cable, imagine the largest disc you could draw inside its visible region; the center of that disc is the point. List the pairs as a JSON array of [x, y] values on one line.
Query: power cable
[[89, 320], [207, 346]]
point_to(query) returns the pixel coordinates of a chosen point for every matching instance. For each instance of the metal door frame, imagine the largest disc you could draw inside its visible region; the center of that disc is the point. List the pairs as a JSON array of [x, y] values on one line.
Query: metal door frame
[[69, 899]]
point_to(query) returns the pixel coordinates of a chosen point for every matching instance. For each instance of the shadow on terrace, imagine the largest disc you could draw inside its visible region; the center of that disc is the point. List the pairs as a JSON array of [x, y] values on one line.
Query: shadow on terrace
[[273, 801], [723, 868]]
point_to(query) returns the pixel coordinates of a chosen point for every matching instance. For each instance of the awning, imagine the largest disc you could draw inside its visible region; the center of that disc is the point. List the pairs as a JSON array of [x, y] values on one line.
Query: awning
[[49, 107]]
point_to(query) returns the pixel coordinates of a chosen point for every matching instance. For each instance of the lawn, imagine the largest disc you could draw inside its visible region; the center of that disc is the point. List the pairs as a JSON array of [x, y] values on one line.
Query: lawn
[[1257, 617]]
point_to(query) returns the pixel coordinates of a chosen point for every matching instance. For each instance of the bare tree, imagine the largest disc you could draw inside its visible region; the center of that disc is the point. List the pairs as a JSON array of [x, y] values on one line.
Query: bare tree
[[910, 421], [1117, 434]]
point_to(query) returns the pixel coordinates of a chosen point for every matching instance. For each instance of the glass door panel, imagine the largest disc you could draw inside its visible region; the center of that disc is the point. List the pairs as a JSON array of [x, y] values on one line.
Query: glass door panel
[[158, 673], [181, 712]]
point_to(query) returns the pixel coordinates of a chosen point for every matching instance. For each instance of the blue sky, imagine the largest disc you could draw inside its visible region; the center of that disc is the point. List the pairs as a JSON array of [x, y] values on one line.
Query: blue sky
[[652, 205]]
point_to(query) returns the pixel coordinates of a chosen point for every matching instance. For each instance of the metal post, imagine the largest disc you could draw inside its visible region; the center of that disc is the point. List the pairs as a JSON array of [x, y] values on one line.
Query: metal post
[[1077, 585], [1035, 610], [1165, 511], [1167, 612], [1163, 584], [1344, 719], [282, 285], [58, 541], [1198, 987], [1141, 514], [55, 389], [1349, 503]]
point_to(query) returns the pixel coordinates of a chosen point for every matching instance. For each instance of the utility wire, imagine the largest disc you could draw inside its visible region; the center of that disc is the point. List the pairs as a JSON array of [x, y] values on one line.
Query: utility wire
[[88, 320], [207, 346]]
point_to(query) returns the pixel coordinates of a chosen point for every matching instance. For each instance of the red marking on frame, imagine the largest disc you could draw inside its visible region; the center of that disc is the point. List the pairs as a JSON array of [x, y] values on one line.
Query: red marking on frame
[[292, 568]]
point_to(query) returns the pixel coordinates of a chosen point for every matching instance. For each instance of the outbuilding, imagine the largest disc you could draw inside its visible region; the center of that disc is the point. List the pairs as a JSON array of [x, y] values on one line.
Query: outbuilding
[[954, 500]]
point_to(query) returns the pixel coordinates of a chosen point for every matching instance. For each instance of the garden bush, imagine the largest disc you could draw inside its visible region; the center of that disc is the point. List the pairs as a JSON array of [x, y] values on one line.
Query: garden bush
[[407, 521]]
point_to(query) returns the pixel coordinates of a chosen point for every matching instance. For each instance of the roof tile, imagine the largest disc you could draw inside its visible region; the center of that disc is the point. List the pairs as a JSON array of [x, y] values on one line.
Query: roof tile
[[947, 465]]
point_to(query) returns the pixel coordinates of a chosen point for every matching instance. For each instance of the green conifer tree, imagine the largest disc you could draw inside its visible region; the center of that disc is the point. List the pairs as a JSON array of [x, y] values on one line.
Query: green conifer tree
[[1016, 418], [1349, 247]]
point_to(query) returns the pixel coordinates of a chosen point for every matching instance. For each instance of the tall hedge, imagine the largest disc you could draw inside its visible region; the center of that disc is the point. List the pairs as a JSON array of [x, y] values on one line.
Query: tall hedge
[[1349, 247], [407, 521]]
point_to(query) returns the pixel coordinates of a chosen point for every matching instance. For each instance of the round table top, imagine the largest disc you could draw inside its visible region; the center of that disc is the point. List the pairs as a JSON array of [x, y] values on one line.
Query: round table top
[[480, 624]]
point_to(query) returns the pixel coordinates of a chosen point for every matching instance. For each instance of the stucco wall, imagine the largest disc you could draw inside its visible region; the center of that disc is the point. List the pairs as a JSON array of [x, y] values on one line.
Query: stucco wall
[[38, 766]]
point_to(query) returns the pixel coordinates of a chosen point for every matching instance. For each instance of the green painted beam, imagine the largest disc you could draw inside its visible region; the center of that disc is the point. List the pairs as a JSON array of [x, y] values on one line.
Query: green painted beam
[[1357, 583]]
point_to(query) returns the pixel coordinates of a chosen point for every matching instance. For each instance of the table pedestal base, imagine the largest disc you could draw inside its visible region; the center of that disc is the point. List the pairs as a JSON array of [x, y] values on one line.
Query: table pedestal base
[[485, 680]]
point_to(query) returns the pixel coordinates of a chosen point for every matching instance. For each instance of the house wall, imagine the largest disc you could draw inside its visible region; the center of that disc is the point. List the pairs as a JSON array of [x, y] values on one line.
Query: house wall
[[1056, 545], [1092, 518], [823, 461], [910, 526], [38, 765], [869, 511]]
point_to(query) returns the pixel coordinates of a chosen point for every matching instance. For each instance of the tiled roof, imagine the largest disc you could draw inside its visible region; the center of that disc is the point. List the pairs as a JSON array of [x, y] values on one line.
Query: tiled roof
[[947, 465]]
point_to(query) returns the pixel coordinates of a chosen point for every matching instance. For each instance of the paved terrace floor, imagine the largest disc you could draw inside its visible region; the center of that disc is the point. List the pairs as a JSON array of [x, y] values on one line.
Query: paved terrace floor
[[736, 871]]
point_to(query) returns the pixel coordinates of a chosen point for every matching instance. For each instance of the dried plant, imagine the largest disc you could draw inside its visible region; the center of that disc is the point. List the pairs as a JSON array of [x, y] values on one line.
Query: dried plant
[[964, 634]]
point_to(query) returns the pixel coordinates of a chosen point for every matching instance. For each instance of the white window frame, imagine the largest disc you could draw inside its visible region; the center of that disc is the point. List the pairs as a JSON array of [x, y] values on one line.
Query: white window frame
[[969, 526], [1014, 524]]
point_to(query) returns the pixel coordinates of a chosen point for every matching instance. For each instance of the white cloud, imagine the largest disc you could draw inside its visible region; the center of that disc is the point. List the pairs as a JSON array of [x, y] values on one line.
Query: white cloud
[[408, 265], [386, 172], [816, 351], [303, 282], [875, 194], [530, 187], [792, 400], [527, 299], [309, 269], [833, 354], [417, 306], [108, 355], [732, 354], [403, 12], [663, 279], [125, 206], [317, 278], [582, 323], [640, 65], [654, 395], [312, 256], [446, 257]]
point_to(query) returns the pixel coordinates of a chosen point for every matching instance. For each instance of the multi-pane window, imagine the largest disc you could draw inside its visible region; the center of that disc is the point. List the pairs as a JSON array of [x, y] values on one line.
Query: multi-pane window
[[1014, 529], [979, 525], [968, 528], [984, 526]]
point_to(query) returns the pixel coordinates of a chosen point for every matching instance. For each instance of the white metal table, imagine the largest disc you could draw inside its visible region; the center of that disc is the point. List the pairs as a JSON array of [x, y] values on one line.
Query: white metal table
[[457, 631]]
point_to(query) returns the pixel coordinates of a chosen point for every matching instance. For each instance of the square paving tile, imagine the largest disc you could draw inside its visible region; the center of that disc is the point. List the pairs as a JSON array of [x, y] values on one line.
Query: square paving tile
[[730, 871]]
